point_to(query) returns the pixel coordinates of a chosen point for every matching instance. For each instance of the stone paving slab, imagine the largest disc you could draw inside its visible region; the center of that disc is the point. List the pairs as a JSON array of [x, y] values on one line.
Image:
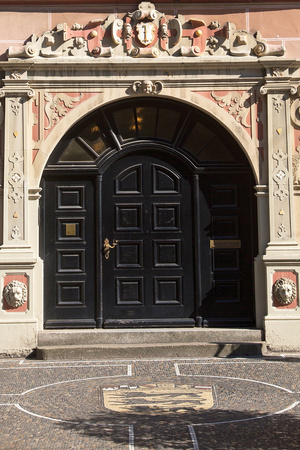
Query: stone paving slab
[[207, 403]]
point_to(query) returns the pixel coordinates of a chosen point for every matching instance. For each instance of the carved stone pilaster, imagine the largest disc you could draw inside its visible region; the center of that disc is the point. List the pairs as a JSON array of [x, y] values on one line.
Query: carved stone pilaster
[[16, 98], [281, 209]]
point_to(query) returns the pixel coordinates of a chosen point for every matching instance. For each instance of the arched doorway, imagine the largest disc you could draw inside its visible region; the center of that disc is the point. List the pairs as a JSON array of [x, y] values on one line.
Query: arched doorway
[[148, 219]]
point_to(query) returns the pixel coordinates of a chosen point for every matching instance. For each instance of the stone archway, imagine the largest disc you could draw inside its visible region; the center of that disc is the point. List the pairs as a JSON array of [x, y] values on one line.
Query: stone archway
[[217, 207]]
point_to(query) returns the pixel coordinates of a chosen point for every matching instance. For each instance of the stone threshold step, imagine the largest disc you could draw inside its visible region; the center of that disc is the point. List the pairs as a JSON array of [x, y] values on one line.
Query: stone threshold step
[[147, 336], [140, 351]]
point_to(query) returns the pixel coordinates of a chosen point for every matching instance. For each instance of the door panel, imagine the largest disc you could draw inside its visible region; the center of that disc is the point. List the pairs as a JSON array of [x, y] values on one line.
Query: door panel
[[227, 249], [69, 253], [148, 278]]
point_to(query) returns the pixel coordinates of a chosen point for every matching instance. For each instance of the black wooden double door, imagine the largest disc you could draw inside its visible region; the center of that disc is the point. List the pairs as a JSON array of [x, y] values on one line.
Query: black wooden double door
[[148, 243]]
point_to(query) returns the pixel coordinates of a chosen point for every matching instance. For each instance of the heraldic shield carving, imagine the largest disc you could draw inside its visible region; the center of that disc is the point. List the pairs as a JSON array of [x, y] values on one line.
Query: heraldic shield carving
[[157, 397]]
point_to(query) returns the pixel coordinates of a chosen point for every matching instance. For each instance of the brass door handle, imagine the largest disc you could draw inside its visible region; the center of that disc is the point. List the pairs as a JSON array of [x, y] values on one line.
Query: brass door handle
[[107, 246]]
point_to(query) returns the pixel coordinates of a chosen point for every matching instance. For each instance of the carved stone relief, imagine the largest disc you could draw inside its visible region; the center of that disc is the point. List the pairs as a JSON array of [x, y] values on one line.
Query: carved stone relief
[[145, 32], [285, 291], [56, 107], [277, 103], [15, 178], [296, 166], [277, 72], [15, 233], [15, 75], [282, 231], [15, 105], [147, 87], [280, 174], [236, 105], [15, 293]]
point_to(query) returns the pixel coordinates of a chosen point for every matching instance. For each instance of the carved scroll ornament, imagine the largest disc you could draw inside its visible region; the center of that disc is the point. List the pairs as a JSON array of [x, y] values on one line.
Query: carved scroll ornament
[[15, 293], [145, 32], [295, 112], [285, 291]]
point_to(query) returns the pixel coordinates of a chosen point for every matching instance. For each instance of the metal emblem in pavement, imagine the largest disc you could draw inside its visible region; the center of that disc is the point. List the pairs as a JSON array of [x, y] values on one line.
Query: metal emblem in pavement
[[158, 397]]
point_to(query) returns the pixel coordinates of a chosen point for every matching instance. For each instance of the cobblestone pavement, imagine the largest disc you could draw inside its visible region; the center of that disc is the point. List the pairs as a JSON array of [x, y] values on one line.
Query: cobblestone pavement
[[150, 404]]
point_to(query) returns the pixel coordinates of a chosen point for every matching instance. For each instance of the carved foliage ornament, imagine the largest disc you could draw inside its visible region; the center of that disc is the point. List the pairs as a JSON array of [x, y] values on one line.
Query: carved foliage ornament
[[285, 291], [145, 32], [56, 106], [15, 293], [236, 105]]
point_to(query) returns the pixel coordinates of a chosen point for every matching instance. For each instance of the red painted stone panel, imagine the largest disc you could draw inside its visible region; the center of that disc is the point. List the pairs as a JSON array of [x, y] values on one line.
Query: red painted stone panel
[[19, 25], [273, 22]]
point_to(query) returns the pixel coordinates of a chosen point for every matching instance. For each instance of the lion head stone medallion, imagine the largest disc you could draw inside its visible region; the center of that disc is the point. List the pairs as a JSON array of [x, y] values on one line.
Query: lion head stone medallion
[[15, 293], [285, 291]]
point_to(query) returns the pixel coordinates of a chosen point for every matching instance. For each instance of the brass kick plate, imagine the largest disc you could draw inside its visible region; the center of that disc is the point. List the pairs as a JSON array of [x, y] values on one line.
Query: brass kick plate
[[70, 229], [225, 243]]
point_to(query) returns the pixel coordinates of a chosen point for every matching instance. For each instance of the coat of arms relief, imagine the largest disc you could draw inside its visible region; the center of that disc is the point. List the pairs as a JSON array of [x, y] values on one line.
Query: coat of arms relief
[[148, 33]]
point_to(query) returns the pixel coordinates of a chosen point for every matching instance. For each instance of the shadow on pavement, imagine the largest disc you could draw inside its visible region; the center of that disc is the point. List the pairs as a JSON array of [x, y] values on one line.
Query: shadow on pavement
[[159, 429]]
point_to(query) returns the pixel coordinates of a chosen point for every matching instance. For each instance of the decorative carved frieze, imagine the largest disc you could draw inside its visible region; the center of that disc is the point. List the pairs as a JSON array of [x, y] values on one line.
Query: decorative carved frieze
[[145, 32], [147, 87], [56, 106], [15, 293], [235, 104], [285, 291]]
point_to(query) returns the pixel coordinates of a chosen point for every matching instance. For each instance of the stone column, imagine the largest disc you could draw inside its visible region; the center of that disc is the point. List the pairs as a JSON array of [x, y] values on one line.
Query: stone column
[[282, 227], [16, 150], [282, 258], [18, 258]]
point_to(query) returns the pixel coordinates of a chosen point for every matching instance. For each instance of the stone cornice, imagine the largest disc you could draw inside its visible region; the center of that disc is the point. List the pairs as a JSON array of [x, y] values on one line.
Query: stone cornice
[[183, 62], [122, 2]]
